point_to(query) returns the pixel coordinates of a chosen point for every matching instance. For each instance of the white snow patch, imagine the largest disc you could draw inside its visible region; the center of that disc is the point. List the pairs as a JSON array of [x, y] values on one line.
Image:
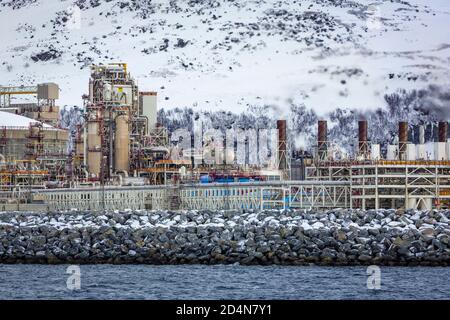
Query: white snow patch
[[14, 120], [318, 225], [306, 226]]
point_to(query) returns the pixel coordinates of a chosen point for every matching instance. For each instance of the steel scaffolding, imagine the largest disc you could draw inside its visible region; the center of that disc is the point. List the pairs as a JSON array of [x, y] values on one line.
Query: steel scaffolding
[[236, 196], [390, 184]]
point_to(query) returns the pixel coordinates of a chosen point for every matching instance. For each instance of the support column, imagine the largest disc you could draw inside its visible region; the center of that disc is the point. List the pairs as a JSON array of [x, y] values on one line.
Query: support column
[[364, 188], [377, 199]]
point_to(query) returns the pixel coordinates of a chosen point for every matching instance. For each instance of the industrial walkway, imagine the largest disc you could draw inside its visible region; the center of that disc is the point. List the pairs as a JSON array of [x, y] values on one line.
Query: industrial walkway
[[237, 196]]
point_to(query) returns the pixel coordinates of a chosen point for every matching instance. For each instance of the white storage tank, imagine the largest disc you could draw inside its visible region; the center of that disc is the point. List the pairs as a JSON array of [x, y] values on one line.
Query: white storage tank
[[448, 150], [425, 204], [375, 152], [440, 152], [392, 152], [429, 151], [421, 152], [412, 203], [410, 152]]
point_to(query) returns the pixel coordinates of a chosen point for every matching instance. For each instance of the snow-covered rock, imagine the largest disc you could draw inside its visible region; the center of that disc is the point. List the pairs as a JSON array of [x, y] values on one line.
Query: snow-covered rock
[[272, 237]]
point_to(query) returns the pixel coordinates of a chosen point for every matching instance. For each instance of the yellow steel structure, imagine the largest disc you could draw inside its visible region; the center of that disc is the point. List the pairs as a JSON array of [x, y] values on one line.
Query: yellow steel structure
[[7, 92]]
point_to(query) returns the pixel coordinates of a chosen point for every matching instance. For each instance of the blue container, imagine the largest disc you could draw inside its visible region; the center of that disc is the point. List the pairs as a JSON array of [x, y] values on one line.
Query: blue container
[[224, 180], [205, 179]]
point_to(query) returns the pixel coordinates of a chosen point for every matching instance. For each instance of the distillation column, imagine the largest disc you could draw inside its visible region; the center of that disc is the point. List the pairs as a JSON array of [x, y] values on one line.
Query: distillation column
[[122, 144], [94, 151]]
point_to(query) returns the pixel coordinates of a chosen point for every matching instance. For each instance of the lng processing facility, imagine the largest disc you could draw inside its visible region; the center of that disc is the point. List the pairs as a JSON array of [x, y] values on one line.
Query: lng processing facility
[[120, 157]]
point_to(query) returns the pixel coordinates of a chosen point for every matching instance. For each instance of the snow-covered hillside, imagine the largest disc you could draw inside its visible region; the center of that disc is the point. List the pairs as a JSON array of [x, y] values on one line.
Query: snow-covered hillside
[[230, 54]]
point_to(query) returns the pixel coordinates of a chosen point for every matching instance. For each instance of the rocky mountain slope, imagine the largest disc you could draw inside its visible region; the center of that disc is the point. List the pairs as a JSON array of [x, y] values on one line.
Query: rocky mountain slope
[[260, 60], [211, 55]]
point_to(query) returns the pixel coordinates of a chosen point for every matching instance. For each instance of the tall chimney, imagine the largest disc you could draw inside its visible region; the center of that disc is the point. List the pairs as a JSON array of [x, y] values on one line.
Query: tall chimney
[[282, 162], [402, 139], [362, 137], [192, 151], [443, 131], [322, 139]]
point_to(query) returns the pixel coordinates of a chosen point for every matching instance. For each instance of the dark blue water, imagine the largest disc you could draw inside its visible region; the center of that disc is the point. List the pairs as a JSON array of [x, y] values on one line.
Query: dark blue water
[[222, 282]]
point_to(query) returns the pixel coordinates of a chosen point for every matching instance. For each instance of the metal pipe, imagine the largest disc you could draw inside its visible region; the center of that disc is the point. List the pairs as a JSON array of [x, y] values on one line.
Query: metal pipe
[[91, 90], [125, 173], [112, 137], [85, 144], [119, 177], [192, 151], [86, 173]]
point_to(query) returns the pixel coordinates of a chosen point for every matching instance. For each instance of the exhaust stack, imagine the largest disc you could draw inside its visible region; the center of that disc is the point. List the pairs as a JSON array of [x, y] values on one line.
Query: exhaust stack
[[282, 145], [362, 138], [322, 140], [443, 131], [402, 139]]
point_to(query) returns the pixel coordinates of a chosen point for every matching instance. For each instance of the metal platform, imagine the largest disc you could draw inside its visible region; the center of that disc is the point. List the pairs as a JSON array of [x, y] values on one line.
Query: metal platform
[[388, 184], [236, 196]]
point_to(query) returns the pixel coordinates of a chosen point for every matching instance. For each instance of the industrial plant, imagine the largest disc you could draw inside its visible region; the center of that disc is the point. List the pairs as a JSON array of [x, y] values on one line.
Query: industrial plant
[[121, 157], [33, 150]]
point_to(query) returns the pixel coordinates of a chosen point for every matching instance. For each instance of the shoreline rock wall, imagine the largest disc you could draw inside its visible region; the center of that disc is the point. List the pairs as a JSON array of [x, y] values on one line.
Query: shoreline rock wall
[[336, 237]]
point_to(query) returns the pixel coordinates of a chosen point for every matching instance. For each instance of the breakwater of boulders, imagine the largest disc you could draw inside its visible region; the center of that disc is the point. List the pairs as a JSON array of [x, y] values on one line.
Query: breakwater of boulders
[[289, 237]]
